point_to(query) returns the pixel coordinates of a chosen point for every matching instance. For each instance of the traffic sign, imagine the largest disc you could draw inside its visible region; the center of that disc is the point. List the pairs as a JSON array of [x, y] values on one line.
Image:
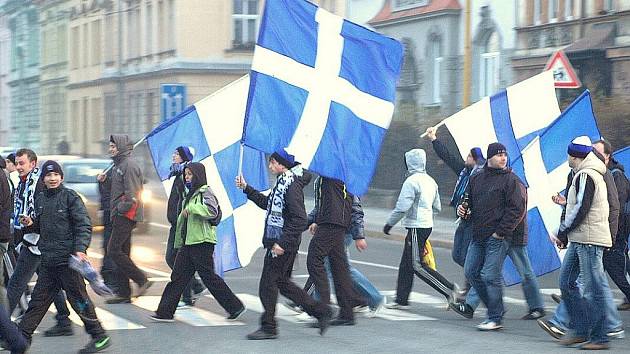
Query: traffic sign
[[173, 100], [563, 73]]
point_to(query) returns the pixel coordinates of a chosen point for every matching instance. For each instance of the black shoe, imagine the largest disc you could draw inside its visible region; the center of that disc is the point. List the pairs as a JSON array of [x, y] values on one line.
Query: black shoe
[[157, 318], [342, 322], [557, 298], [462, 309], [118, 300], [261, 335], [324, 321], [534, 314], [551, 329], [143, 288], [59, 331], [96, 345], [236, 315]]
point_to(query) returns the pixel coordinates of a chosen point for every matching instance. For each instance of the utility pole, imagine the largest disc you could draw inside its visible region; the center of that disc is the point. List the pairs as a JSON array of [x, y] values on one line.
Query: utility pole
[[467, 57]]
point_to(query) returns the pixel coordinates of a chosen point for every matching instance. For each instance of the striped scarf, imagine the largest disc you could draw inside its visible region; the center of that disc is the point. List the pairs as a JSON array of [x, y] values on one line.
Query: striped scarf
[[24, 202]]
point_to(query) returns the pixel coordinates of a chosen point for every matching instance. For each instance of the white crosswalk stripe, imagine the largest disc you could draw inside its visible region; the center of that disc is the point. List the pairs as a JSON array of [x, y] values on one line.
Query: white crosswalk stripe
[[193, 316], [109, 321], [253, 303]]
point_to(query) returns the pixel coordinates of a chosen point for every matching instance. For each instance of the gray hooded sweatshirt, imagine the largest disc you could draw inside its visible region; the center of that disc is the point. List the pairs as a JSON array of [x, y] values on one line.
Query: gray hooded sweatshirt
[[419, 197], [126, 181]]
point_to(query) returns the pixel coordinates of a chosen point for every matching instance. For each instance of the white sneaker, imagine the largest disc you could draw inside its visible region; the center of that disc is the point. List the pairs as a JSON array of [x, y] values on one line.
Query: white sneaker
[[305, 318], [489, 326], [373, 312], [616, 334], [182, 305], [361, 309], [397, 306]]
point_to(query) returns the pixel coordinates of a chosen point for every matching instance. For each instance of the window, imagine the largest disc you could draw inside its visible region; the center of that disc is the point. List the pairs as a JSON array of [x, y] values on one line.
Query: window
[[436, 51], [96, 121], [74, 111], [553, 9], [408, 4], [96, 42], [149, 29], [109, 38], [245, 23], [489, 67], [33, 39], [62, 47], [130, 31], [568, 10], [14, 50], [161, 26], [537, 9], [85, 46], [171, 24], [609, 5], [76, 40]]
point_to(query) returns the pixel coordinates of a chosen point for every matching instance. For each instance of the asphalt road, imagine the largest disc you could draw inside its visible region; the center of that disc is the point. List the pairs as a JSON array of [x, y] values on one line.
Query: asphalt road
[[427, 327]]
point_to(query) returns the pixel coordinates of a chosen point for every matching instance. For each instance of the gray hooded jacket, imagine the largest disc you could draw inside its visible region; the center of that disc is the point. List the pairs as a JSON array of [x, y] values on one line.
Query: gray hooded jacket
[[126, 182], [419, 197]]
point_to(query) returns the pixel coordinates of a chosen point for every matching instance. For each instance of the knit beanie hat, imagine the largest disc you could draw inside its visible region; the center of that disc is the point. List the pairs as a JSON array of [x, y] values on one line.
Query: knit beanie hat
[[580, 147], [476, 153], [284, 158], [11, 157], [186, 153], [495, 149], [51, 166]]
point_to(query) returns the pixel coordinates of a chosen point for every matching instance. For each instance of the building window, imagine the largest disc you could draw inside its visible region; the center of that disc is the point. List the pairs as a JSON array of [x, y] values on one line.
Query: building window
[[489, 66], [62, 47], [96, 121], [609, 5], [149, 29], [96, 42], [171, 24], [161, 27], [437, 63], [553, 9], [245, 22], [409, 4], [537, 12], [86, 47], [568, 10], [76, 42], [74, 114]]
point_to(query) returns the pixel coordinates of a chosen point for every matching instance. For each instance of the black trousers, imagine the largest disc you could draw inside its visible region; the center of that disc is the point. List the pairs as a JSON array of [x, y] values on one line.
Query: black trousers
[[111, 274], [119, 249], [49, 282], [276, 276], [329, 242], [171, 252], [411, 263], [616, 265], [191, 259]]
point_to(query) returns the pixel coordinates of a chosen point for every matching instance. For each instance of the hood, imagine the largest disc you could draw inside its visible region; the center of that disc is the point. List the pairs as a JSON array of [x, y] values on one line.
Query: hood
[[592, 162], [199, 175], [416, 161], [122, 143], [615, 165]]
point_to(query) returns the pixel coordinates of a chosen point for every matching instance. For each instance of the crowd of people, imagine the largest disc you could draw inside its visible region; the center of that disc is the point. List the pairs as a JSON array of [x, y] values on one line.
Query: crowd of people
[[43, 224]]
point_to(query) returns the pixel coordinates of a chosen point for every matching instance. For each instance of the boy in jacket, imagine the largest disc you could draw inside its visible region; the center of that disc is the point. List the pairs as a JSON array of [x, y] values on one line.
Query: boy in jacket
[[284, 223], [65, 229], [195, 237]]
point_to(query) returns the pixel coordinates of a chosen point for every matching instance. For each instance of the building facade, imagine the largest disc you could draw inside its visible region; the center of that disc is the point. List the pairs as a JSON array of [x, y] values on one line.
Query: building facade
[[5, 71], [23, 17]]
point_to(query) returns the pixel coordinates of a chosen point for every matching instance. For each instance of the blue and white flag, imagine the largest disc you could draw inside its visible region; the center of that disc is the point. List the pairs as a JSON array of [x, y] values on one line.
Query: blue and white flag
[[213, 128], [322, 88], [623, 157], [544, 168]]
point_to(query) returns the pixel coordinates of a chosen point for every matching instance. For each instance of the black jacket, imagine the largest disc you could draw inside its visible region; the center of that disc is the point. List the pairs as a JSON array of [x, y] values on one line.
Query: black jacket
[[105, 191], [454, 162], [623, 194], [294, 213], [357, 225], [63, 224], [498, 202], [174, 206], [335, 203], [6, 208]]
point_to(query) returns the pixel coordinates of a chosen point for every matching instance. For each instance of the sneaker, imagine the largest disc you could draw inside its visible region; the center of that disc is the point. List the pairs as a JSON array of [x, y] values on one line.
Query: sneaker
[[304, 317], [456, 293], [361, 309], [462, 309], [96, 345], [261, 335], [572, 341], [375, 311], [489, 326], [144, 287], [397, 306], [293, 306], [551, 329], [197, 294], [183, 305], [59, 331], [624, 307], [557, 298], [236, 315], [158, 318], [595, 346], [617, 333], [534, 314], [342, 322], [118, 300]]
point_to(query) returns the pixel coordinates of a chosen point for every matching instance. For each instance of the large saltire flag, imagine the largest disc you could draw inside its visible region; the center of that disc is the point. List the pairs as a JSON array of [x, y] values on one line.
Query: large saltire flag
[[543, 166], [323, 88], [212, 127], [623, 157]]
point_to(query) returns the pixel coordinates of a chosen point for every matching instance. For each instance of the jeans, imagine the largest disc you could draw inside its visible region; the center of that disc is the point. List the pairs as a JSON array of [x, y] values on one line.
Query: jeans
[[483, 269], [461, 241], [26, 266], [587, 312], [520, 259]]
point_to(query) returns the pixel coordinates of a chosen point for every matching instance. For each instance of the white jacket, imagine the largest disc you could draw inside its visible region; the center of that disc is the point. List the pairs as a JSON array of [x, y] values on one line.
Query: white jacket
[[419, 197]]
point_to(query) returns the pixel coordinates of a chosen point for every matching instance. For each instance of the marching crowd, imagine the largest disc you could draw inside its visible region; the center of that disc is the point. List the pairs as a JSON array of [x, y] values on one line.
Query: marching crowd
[[43, 224]]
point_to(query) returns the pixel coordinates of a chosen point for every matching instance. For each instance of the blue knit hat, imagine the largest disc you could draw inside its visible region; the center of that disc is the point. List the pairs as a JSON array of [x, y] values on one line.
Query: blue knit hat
[[186, 153], [51, 166], [580, 147], [476, 153], [284, 158]]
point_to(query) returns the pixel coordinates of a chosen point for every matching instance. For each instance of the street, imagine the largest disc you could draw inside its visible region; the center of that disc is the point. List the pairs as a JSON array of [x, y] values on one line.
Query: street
[[427, 327]]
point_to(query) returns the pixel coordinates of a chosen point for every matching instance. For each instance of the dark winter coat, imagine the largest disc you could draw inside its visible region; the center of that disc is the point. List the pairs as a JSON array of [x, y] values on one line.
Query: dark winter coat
[[126, 182]]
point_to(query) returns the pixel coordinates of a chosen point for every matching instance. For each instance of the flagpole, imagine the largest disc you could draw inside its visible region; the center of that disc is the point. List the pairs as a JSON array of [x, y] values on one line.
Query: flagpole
[[240, 161], [436, 127], [134, 146]]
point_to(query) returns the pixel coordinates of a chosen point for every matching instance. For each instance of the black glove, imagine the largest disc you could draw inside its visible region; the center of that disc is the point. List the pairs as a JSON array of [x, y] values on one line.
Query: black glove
[[386, 229], [564, 238]]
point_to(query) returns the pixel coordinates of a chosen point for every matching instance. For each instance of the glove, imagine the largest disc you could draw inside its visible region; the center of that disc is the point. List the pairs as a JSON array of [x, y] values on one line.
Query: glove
[[564, 238], [386, 229]]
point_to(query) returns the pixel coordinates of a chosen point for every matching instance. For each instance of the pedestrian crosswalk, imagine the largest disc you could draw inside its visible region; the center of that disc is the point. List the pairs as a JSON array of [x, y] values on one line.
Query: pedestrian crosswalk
[[113, 318]]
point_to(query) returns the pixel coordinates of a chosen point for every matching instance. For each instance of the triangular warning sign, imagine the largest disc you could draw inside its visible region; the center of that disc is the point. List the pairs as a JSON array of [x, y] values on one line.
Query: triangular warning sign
[[563, 73]]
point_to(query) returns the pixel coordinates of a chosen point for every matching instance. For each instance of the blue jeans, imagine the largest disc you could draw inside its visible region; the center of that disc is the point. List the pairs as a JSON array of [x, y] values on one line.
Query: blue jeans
[[587, 312], [461, 241], [359, 281], [483, 267], [520, 259]]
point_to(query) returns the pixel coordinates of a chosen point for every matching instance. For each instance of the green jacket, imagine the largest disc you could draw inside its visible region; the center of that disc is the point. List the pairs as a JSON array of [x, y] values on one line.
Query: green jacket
[[203, 214]]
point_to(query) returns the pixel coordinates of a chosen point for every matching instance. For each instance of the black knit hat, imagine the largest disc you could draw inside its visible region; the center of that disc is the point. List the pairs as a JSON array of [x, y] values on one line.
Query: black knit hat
[[11, 157], [495, 149], [51, 166], [284, 158]]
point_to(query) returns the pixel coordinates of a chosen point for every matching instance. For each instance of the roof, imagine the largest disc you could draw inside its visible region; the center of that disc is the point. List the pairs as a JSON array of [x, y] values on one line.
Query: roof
[[387, 13], [600, 37]]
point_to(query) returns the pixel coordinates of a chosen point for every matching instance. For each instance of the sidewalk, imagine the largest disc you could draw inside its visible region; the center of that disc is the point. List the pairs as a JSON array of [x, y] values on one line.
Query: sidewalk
[[375, 218]]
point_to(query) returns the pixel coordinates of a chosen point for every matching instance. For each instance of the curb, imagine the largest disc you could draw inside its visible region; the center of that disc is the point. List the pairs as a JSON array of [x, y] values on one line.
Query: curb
[[447, 244]]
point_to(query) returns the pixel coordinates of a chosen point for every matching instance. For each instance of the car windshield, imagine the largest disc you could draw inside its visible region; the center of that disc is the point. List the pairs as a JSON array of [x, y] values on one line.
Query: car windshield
[[82, 172]]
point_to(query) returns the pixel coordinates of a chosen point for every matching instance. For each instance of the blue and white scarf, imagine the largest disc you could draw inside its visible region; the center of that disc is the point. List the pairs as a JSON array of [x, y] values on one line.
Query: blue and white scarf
[[24, 201], [276, 202]]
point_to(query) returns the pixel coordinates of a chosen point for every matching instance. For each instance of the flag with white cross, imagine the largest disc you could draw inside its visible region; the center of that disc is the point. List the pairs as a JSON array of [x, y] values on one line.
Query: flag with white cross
[[323, 89]]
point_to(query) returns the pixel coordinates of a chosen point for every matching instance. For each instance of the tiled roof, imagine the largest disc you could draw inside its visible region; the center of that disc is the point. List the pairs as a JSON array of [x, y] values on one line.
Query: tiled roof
[[387, 14]]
